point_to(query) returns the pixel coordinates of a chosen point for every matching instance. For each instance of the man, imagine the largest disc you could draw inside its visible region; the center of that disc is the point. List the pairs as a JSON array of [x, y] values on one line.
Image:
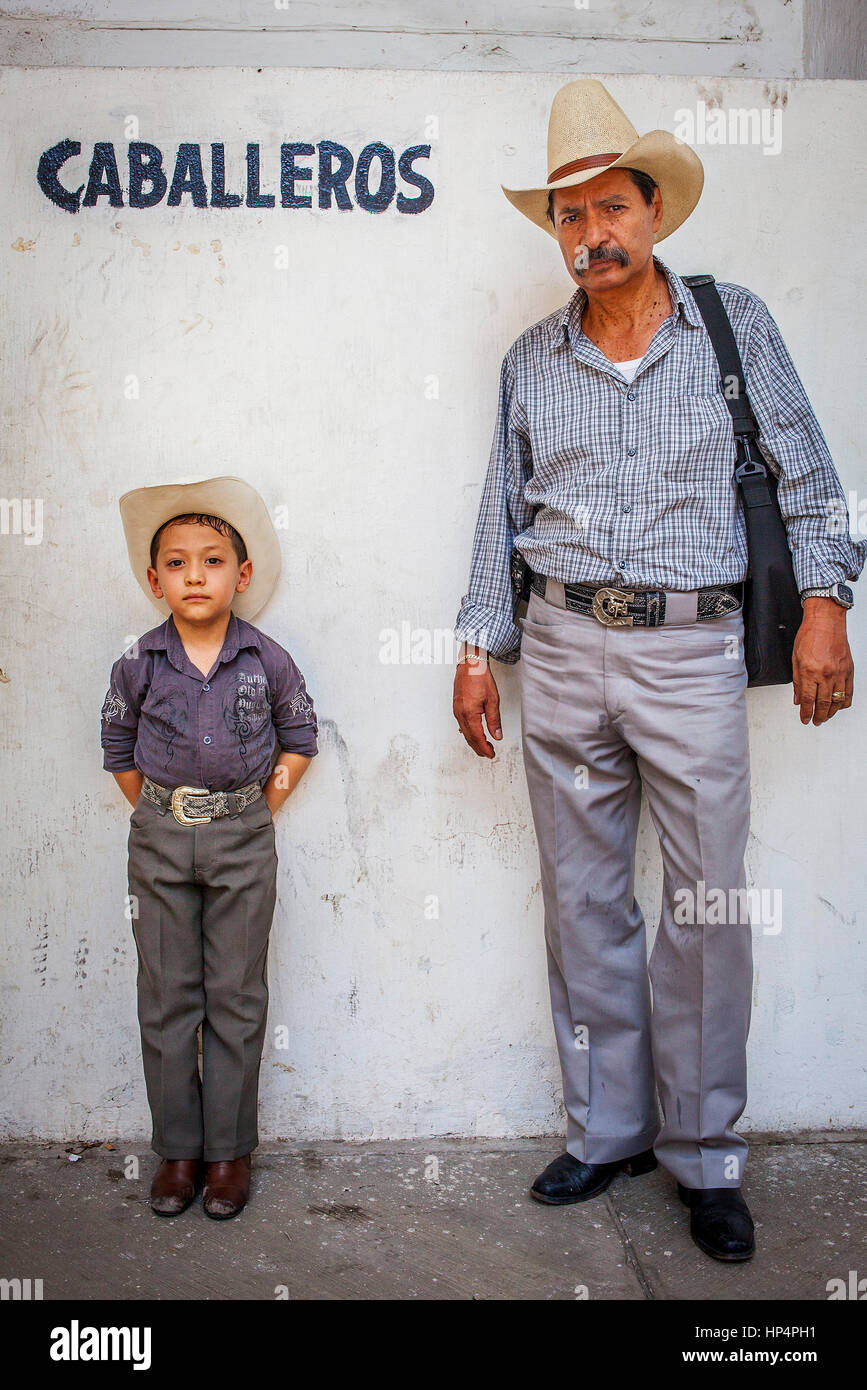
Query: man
[[612, 471]]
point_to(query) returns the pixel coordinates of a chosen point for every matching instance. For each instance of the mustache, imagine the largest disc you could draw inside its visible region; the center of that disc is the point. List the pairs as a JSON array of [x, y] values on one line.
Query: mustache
[[586, 258]]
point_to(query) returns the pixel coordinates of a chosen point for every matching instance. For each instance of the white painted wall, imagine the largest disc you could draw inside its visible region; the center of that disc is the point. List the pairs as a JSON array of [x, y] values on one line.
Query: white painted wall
[[738, 38], [311, 381]]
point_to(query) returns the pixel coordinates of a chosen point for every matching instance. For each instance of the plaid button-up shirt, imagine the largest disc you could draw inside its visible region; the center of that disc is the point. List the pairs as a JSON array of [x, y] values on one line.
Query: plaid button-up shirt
[[633, 483]]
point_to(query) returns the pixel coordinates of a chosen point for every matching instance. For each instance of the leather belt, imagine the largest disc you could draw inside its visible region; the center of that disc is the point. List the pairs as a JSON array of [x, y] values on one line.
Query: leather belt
[[640, 607], [196, 805]]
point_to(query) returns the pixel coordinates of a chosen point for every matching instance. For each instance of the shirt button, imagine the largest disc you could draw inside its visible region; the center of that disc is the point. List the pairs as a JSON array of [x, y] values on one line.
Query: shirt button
[[627, 506], [206, 687], [207, 738], [630, 451], [630, 395]]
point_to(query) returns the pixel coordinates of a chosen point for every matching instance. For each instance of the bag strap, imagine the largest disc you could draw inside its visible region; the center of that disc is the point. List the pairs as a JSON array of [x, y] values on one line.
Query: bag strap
[[750, 464]]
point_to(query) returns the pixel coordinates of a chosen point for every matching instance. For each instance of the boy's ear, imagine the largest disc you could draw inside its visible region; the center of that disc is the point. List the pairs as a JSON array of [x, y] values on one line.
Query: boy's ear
[[245, 574], [154, 582]]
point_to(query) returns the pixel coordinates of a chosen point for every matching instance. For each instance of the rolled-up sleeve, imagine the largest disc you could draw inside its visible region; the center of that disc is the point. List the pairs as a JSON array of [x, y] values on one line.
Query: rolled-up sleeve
[[292, 711], [485, 614], [120, 714], [811, 496]]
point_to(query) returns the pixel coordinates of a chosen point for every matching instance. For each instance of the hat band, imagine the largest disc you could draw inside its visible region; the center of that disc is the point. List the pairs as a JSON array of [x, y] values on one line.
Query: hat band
[[590, 161]]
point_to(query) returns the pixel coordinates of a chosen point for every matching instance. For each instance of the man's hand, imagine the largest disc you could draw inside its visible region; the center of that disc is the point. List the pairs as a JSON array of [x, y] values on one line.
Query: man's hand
[[821, 661], [476, 694]]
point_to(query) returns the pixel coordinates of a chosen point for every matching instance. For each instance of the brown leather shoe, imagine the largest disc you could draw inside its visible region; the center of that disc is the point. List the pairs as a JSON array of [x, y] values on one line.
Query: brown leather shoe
[[227, 1187], [174, 1186]]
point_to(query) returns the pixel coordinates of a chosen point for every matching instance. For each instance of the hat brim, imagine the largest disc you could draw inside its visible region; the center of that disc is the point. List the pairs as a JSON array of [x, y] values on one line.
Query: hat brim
[[674, 166], [145, 509]]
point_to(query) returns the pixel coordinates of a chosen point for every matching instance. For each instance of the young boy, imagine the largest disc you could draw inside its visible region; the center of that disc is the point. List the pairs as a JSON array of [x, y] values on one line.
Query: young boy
[[193, 716]]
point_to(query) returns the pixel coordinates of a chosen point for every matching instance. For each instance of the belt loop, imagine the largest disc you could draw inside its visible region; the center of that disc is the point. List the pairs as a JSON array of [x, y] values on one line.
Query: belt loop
[[555, 592], [681, 607]]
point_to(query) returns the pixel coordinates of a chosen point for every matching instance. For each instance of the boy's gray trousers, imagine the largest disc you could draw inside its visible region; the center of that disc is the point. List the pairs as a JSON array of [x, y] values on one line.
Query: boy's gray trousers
[[202, 900], [605, 710]]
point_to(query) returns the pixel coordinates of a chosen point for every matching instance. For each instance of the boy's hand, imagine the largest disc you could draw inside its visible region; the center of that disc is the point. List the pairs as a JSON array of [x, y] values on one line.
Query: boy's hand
[[130, 784], [288, 771]]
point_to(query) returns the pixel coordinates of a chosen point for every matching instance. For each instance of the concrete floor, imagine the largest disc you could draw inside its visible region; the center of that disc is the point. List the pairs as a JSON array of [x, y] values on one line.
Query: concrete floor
[[434, 1219]]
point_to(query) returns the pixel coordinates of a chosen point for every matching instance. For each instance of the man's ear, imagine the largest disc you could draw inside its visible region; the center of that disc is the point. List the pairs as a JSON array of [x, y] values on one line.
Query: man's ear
[[657, 209], [154, 583]]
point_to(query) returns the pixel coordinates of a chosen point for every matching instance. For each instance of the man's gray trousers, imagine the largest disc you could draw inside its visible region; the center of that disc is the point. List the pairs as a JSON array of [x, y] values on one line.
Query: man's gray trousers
[[605, 710]]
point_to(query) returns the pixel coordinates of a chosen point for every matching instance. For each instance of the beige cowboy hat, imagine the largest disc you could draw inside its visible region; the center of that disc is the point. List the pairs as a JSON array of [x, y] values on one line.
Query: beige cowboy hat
[[146, 509], [588, 132]]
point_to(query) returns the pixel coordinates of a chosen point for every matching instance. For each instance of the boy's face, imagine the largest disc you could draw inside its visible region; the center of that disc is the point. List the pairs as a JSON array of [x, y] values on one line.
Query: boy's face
[[197, 572]]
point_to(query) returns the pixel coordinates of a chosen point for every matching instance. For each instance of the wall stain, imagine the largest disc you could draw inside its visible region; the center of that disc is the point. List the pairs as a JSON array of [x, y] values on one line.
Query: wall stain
[[776, 94], [80, 960], [329, 734], [40, 954], [217, 248]]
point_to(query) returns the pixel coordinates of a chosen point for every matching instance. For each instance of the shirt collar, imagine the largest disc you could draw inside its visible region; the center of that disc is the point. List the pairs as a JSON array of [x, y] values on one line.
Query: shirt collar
[[167, 638], [568, 319]]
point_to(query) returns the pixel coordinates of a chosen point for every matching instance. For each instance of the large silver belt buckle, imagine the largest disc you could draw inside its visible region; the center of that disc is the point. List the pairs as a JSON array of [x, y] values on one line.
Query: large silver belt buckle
[[177, 804], [609, 606]]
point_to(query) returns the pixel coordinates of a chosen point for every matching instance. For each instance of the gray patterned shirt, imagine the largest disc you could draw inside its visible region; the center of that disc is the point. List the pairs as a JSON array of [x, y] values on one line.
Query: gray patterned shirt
[[180, 728], [633, 482]]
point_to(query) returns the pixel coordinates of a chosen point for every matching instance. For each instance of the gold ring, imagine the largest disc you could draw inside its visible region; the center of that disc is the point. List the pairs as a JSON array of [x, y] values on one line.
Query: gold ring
[[838, 695]]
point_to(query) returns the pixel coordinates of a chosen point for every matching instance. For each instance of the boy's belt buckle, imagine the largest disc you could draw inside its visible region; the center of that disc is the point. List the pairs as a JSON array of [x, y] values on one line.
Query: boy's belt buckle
[[177, 804], [610, 607]]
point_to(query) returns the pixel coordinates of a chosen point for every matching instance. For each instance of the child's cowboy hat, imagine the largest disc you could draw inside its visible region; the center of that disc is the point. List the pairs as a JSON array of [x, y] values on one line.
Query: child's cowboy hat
[[588, 132], [146, 509]]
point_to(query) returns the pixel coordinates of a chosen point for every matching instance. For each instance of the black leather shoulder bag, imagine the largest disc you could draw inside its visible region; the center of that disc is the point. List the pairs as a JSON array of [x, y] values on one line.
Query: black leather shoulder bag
[[772, 601]]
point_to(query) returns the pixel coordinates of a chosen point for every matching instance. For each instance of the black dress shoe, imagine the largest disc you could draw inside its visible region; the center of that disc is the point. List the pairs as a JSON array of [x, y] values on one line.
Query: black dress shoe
[[567, 1179], [720, 1221]]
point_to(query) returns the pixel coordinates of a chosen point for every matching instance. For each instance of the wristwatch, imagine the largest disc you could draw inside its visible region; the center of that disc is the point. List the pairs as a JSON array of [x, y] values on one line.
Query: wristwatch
[[840, 593]]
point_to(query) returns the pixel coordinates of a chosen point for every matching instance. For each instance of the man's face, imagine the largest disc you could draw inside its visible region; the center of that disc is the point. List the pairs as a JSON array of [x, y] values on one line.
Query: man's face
[[197, 572], [606, 223]]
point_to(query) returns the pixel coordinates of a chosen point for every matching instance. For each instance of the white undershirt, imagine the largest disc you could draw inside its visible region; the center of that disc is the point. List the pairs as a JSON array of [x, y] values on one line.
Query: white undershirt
[[629, 368]]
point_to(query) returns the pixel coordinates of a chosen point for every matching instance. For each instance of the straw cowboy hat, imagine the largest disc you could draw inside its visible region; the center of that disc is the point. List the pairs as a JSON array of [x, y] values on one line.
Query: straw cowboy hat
[[145, 509], [588, 132]]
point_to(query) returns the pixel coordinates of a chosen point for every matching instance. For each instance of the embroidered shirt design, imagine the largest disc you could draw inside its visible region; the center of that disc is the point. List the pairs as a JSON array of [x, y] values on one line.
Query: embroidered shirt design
[[115, 706], [301, 705], [169, 710], [248, 708]]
